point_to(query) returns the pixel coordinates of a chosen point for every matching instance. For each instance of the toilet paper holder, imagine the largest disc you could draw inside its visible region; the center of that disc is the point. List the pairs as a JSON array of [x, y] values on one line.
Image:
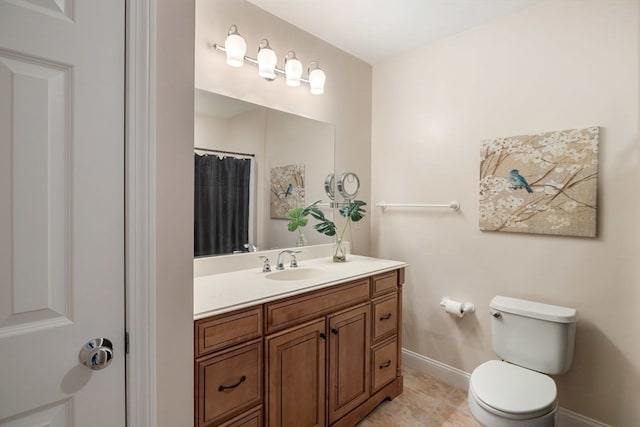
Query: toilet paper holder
[[456, 308]]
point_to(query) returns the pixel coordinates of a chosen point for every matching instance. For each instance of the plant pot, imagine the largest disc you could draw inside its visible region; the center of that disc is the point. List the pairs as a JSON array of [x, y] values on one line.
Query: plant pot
[[339, 252], [302, 241]]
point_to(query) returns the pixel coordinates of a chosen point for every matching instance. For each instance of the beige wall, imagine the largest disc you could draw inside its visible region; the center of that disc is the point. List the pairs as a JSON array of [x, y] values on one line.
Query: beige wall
[[560, 64], [346, 102], [172, 129]]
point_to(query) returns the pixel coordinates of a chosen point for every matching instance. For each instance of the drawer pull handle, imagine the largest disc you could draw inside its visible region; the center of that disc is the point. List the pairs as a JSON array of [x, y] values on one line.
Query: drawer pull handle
[[385, 364], [323, 336], [334, 331], [226, 387], [386, 317]]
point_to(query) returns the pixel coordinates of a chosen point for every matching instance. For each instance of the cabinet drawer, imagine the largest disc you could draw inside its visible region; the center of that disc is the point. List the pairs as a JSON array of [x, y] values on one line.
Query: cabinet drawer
[[384, 282], [251, 418], [296, 310], [385, 362], [385, 316], [227, 329], [228, 382]]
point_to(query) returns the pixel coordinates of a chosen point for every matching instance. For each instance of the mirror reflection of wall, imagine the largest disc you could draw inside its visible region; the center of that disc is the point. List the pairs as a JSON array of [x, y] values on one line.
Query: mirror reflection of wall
[[295, 140], [267, 139]]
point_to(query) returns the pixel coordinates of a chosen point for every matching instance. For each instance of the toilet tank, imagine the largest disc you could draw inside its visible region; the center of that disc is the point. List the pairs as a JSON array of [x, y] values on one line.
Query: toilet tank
[[533, 335]]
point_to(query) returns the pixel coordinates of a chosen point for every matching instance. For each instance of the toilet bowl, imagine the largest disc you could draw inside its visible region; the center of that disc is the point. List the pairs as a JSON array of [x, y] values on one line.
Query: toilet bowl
[[532, 339], [506, 395]]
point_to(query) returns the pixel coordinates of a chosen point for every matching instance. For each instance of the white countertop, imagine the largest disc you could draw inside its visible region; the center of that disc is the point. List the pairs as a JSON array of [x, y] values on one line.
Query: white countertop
[[224, 292]]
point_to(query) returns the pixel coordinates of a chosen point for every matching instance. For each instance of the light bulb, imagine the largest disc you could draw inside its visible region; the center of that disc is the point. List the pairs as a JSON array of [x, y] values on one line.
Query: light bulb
[[292, 69], [317, 78], [267, 60], [236, 47]]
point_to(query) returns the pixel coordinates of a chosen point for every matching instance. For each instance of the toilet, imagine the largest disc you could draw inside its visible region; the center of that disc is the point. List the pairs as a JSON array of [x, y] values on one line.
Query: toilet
[[533, 340]]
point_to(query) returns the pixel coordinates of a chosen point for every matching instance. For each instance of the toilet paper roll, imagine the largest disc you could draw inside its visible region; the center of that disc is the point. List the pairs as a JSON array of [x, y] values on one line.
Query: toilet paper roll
[[454, 307]]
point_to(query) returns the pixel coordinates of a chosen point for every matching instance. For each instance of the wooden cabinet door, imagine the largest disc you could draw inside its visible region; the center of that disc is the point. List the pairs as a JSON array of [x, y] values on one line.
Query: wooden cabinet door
[[296, 376], [349, 367]]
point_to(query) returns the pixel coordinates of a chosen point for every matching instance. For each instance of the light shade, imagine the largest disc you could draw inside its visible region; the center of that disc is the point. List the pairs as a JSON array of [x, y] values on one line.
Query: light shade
[[267, 60], [317, 77], [236, 47], [292, 69]]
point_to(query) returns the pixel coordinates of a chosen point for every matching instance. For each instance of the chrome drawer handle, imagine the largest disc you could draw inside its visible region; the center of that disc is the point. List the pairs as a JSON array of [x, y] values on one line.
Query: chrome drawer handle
[[226, 387], [385, 364]]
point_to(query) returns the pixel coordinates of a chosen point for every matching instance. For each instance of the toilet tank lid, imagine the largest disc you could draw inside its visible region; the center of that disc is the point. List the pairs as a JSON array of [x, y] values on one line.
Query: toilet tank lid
[[537, 310]]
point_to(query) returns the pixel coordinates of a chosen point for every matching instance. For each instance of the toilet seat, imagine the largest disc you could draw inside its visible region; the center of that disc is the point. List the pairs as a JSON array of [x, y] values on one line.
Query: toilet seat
[[511, 391]]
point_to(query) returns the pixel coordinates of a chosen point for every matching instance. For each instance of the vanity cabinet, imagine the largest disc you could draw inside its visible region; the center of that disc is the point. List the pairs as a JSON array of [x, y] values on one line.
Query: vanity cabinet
[[322, 358]]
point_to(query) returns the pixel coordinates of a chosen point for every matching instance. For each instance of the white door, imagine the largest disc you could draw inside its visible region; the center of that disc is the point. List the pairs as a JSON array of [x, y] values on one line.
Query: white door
[[61, 211]]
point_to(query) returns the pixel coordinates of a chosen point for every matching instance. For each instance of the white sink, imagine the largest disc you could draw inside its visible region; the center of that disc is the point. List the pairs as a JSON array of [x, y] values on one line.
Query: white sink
[[300, 273]]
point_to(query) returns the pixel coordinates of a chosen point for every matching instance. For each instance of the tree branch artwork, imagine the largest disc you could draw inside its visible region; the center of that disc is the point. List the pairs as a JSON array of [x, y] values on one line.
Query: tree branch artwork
[[287, 189], [542, 184]]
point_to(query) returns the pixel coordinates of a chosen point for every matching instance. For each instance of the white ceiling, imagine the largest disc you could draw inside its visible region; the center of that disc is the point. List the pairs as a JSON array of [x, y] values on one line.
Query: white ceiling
[[375, 30]]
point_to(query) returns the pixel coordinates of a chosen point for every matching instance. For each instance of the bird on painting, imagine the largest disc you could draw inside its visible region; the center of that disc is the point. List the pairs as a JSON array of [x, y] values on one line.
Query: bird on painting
[[518, 181], [289, 190]]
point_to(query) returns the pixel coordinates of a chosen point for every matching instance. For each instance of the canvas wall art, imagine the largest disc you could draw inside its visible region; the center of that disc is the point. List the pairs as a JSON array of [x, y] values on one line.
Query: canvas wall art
[[543, 184], [287, 189]]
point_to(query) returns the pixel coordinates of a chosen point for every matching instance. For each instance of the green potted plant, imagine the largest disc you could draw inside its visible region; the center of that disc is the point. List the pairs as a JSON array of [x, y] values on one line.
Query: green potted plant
[[298, 220], [352, 211]]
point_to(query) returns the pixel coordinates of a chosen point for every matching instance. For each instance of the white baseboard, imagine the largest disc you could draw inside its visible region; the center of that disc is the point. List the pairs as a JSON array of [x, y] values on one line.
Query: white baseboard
[[460, 379], [571, 419], [438, 370]]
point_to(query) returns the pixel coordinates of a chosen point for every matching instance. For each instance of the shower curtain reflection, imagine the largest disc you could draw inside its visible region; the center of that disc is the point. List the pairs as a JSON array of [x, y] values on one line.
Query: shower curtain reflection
[[221, 211]]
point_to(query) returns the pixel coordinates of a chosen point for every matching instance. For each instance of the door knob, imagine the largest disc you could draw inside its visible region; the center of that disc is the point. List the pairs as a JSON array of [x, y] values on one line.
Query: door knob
[[96, 354]]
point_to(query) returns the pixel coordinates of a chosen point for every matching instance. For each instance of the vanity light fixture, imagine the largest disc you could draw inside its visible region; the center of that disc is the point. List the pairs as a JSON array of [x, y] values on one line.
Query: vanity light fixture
[[235, 48]]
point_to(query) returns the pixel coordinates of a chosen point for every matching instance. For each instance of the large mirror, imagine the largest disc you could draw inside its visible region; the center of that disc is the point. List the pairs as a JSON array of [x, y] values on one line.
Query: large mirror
[[252, 165]]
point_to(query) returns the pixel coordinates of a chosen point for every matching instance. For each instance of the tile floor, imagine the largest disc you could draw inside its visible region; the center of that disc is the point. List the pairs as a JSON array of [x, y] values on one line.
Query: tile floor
[[425, 402]]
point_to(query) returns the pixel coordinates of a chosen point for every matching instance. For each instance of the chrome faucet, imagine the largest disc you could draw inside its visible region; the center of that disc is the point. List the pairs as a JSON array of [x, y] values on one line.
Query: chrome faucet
[[266, 266], [280, 261], [250, 247]]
